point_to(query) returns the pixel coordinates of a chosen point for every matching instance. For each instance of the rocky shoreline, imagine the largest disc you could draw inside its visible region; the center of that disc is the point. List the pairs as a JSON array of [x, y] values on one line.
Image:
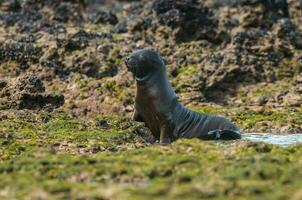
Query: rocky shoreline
[[66, 98]]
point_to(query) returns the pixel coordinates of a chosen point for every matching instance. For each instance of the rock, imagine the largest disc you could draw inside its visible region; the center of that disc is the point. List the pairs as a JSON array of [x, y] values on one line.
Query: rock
[[21, 52], [263, 99], [77, 40], [162, 6], [287, 29], [101, 17], [28, 92], [67, 11], [121, 27], [297, 80], [135, 24], [172, 18], [12, 6], [86, 64], [296, 39], [2, 84], [293, 100], [102, 123], [29, 84], [210, 48]]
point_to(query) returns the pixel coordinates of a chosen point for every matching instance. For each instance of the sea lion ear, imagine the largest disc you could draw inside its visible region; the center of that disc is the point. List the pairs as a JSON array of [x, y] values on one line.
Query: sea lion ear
[[141, 56], [150, 51]]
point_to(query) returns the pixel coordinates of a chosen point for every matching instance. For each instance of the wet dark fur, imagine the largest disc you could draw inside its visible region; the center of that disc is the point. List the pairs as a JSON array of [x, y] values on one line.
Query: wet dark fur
[[156, 104]]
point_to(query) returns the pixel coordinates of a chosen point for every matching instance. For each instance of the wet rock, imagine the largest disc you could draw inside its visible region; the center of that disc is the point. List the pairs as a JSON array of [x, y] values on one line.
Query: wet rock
[[162, 6], [13, 5], [296, 39], [86, 63], [223, 43], [104, 17], [29, 84], [279, 8], [121, 27], [23, 53], [285, 26], [257, 13], [51, 58], [27, 19], [138, 23], [54, 29], [249, 58], [89, 64], [192, 19], [76, 40], [67, 11], [2, 84], [172, 18], [286, 29]]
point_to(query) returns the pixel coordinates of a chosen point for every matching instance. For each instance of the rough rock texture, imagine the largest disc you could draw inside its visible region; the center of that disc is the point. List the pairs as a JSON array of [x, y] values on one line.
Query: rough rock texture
[[216, 51], [61, 72], [27, 92]]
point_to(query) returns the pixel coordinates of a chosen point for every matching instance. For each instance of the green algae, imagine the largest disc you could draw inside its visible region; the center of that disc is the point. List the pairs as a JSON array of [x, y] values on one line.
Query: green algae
[[184, 75], [82, 83], [100, 28], [59, 157], [271, 89], [187, 169], [63, 135]]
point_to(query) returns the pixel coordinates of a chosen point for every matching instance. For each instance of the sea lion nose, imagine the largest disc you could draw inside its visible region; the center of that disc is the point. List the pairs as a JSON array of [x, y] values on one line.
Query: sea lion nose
[[127, 59]]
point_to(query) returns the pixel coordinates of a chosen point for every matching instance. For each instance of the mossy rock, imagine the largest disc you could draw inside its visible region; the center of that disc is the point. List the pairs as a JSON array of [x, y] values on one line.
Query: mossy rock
[[59, 157]]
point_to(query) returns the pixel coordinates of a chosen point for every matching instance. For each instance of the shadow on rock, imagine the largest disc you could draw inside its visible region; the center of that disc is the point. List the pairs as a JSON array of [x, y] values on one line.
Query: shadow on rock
[[27, 92]]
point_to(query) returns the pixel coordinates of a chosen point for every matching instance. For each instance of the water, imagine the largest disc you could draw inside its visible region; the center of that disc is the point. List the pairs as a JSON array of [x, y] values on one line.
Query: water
[[281, 140]]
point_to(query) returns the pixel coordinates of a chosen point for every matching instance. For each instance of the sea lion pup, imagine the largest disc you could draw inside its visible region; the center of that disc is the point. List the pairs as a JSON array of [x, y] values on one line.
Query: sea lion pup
[[156, 104]]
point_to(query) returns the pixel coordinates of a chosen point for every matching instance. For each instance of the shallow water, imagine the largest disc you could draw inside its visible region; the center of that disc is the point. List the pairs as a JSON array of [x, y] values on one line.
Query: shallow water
[[281, 140]]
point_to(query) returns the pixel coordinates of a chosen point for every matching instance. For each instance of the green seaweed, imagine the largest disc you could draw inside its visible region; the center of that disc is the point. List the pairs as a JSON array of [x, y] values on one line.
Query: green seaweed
[[60, 157], [100, 28], [184, 75]]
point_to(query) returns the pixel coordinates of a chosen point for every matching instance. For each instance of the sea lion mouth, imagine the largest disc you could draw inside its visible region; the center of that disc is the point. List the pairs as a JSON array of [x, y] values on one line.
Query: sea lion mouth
[[132, 67], [128, 65], [138, 72]]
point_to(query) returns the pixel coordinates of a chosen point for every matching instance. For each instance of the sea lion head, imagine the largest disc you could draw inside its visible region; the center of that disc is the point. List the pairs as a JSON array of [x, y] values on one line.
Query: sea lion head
[[143, 63]]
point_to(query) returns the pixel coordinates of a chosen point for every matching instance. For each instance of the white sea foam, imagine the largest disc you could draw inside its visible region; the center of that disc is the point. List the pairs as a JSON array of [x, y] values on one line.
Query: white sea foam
[[281, 140]]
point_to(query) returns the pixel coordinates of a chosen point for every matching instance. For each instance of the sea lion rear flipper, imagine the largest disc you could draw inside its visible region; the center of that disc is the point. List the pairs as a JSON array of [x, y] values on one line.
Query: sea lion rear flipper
[[230, 135], [222, 135]]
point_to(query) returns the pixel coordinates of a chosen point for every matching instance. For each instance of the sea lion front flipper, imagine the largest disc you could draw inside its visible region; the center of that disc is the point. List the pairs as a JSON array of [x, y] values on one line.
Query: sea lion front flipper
[[166, 132], [137, 117]]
